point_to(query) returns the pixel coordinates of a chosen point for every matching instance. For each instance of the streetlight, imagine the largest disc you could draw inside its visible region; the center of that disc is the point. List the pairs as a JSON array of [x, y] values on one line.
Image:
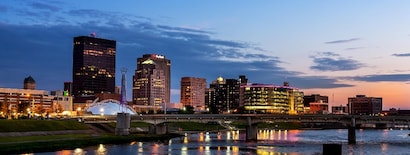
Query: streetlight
[[78, 110], [102, 111], [250, 105]]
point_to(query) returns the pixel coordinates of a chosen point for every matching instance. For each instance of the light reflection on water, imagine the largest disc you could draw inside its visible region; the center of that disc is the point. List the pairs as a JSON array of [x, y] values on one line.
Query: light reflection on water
[[270, 142]]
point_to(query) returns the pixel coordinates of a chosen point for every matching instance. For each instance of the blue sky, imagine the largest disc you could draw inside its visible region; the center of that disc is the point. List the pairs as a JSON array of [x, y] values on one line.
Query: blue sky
[[334, 48]]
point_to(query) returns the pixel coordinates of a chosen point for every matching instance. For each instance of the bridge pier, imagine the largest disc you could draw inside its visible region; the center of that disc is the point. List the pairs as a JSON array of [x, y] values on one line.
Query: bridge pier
[[351, 132], [251, 131], [123, 124], [158, 129]]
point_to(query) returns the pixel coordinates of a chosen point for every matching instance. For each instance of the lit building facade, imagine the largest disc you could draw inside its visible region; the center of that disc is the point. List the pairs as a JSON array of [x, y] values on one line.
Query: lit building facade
[[339, 109], [151, 81], [265, 98], [364, 105], [193, 92], [318, 108], [93, 66], [14, 102], [62, 102], [319, 103]]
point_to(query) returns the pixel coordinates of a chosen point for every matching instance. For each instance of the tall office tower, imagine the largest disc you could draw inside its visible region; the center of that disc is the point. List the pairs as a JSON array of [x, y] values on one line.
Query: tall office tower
[[193, 92], [29, 83], [151, 81], [223, 95], [364, 105], [93, 66]]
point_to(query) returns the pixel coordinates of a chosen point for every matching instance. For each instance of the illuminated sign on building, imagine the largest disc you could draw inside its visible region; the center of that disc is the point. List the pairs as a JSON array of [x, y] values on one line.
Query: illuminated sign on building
[[158, 56]]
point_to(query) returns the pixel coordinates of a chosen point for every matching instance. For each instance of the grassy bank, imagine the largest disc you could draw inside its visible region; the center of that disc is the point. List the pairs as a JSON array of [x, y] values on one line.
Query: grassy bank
[[50, 144], [45, 143], [40, 125]]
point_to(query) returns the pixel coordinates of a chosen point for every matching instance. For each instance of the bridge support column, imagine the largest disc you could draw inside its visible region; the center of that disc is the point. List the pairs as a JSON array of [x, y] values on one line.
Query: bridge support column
[[123, 124], [158, 129], [252, 133], [332, 149], [351, 132]]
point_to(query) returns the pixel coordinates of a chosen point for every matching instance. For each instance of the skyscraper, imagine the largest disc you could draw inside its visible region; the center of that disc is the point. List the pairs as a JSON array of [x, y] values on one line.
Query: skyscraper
[[193, 92], [223, 95], [151, 81], [93, 66]]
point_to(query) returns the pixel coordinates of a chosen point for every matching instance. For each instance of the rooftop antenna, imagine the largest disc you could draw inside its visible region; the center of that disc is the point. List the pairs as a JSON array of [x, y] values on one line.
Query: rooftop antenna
[[123, 100]]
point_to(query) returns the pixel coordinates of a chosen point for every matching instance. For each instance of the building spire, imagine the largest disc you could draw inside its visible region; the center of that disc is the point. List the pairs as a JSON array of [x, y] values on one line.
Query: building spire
[[123, 100]]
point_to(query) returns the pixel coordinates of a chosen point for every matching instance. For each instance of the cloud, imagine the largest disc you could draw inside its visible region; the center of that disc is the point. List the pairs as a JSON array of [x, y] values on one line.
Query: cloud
[[381, 78], [316, 82], [401, 54], [342, 41], [47, 51], [181, 29], [329, 61], [354, 48], [45, 6], [92, 13]]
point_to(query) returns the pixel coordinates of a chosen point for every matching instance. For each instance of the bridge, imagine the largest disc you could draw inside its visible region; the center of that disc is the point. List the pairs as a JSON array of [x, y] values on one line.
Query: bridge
[[252, 120]]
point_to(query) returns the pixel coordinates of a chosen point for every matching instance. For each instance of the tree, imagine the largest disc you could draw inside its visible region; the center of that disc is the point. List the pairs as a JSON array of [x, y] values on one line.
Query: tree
[[187, 110]]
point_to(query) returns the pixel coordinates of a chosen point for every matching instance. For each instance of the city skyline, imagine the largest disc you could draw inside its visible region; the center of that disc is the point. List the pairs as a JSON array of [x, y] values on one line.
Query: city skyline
[[338, 49]]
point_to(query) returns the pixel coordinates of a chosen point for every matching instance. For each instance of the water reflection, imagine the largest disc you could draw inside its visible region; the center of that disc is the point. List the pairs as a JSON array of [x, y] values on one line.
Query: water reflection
[[271, 142]]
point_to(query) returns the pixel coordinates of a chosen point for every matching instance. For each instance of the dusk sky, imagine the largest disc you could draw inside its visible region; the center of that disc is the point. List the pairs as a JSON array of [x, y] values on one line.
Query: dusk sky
[[334, 48]]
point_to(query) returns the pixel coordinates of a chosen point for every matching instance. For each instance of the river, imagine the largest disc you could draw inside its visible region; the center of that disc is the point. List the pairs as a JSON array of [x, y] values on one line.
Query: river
[[270, 142]]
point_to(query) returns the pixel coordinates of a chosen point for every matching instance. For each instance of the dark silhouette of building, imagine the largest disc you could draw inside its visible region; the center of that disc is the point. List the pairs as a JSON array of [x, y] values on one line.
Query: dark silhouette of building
[[243, 80], [151, 81], [314, 98], [193, 92], [364, 105], [93, 66], [68, 87], [29, 83], [223, 95]]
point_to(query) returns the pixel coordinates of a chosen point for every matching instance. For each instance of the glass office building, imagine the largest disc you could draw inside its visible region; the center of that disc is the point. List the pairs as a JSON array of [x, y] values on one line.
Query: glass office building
[[93, 66]]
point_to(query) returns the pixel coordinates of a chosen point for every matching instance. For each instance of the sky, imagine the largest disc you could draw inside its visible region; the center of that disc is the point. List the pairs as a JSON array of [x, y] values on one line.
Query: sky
[[335, 48]]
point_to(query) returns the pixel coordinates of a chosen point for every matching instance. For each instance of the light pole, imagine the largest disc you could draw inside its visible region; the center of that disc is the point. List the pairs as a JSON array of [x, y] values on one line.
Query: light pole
[[250, 105], [102, 111]]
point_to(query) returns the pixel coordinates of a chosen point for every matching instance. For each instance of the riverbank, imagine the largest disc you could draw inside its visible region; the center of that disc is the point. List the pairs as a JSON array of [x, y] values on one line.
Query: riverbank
[[53, 143], [28, 136]]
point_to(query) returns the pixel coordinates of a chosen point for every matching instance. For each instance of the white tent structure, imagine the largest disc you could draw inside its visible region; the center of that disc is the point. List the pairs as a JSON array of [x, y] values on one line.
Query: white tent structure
[[109, 107]]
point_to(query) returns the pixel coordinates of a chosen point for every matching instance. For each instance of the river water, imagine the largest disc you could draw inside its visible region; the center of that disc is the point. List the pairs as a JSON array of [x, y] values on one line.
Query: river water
[[270, 142]]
